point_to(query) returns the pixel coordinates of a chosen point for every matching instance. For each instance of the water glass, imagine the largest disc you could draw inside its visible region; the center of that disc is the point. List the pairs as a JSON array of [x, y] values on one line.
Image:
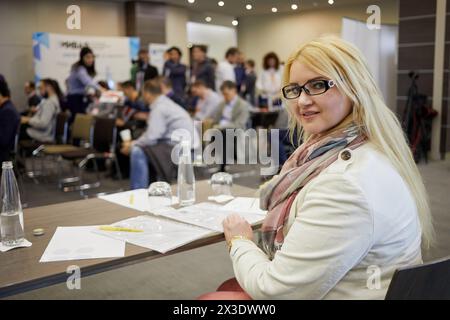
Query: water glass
[[221, 183]]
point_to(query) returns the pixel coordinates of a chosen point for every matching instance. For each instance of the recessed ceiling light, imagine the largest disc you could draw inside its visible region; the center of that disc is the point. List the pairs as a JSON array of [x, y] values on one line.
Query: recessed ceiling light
[[330, 1], [221, 3], [274, 10], [191, 1], [208, 19], [294, 7], [249, 7], [235, 22]]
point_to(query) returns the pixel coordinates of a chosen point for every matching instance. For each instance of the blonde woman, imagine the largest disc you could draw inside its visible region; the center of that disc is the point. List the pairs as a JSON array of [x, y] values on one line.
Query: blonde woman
[[349, 206]]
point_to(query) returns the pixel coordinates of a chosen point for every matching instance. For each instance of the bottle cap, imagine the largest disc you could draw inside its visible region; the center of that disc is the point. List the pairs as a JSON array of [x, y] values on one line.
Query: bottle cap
[[38, 232]]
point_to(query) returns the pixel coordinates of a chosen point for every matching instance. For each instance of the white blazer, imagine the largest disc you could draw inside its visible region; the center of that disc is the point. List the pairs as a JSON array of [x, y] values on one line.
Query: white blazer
[[349, 229]]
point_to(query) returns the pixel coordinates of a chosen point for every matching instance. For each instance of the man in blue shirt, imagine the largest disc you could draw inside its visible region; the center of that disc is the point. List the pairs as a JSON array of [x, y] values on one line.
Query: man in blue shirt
[[9, 122]]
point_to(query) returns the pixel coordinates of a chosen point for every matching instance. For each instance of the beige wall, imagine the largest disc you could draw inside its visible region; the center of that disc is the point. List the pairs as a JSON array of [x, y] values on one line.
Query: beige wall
[[176, 33], [282, 33], [19, 19]]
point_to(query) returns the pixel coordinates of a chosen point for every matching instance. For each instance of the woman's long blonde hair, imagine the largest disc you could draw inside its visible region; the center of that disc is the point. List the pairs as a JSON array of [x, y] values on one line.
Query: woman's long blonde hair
[[339, 60]]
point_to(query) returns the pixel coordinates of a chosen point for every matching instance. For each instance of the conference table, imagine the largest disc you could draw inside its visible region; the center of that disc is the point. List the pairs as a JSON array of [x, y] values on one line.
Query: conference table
[[21, 271]]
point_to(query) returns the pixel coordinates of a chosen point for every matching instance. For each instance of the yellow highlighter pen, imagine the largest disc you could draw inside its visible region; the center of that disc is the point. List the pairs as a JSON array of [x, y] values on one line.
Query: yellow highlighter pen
[[131, 199], [111, 228]]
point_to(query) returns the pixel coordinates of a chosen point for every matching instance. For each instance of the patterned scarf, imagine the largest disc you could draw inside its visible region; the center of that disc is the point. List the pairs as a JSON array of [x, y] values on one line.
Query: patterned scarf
[[307, 162]]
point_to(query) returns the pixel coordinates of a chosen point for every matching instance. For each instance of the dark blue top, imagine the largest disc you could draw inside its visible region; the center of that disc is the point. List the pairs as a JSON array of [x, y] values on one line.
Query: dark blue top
[[176, 72], [177, 99], [138, 105], [9, 122], [205, 71], [239, 71]]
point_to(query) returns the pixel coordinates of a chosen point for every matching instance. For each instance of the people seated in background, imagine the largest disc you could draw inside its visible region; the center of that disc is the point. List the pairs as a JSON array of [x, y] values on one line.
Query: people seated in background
[[248, 85], [269, 82], [80, 80], [175, 71], [33, 98], [135, 108], [167, 90], [104, 85], [9, 122], [225, 69], [151, 152], [348, 205], [208, 101], [233, 112], [41, 126], [202, 68], [142, 70]]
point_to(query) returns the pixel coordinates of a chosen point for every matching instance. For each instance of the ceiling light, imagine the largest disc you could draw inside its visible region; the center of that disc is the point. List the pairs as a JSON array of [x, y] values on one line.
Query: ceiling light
[[191, 1], [330, 1], [235, 22], [294, 7], [274, 10], [249, 7], [208, 19], [221, 3]]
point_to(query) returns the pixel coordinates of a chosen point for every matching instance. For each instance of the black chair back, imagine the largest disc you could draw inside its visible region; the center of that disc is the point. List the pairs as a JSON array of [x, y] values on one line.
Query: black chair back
[[424, 282], [62, 128], [104, 135]]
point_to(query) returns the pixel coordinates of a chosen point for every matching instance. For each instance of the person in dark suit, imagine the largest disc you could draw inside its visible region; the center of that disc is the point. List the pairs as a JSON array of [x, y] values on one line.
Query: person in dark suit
[[248, 86], [142, 70], [9, 122], [202, 68], [175, 71]]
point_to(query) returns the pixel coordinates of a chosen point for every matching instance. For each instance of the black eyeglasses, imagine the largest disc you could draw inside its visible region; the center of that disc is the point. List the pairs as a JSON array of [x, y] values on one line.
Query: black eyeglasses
[[311, 88]]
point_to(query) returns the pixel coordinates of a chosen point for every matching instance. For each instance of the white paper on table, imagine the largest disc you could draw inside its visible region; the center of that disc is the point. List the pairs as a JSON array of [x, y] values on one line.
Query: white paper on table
[[24, 244], [159, 234], [222, 198], [205, 215], [137, 200], [76, 243], [245, 204]]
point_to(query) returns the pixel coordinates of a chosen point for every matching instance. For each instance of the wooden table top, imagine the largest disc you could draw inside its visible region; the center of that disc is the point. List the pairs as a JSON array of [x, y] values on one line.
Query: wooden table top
[[20, 269]]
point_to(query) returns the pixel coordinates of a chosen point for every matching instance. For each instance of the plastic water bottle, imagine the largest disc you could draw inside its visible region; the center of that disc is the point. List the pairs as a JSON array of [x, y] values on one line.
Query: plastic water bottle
[[109, 78], [186, 178], [11, 216]]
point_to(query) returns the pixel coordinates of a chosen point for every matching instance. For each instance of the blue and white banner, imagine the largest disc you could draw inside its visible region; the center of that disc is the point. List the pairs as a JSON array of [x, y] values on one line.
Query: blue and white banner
[[54, 55], [157, 55]]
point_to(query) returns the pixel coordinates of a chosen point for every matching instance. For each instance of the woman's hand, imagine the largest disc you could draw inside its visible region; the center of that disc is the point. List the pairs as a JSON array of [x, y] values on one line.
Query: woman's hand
[[235, 225]]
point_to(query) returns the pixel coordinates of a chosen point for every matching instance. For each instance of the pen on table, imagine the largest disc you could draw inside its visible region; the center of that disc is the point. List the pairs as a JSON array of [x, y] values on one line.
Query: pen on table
[[111, 228], [131, 198]]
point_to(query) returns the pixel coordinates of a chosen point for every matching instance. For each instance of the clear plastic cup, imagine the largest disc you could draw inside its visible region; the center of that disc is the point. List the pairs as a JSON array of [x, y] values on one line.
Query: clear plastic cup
[[221, 183], [159, 195]]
